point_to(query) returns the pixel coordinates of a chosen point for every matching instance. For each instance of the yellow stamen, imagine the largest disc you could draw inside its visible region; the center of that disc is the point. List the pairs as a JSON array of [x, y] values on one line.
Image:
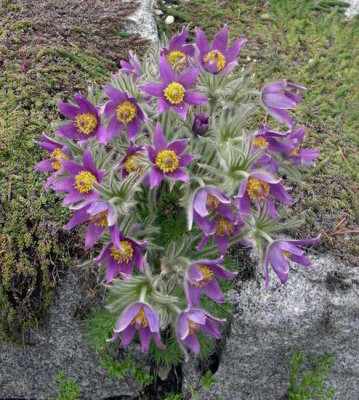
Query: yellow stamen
[[99, 219], [295, 152], [140, 319], [212, 202], [286, 254], [174, 93], [167, 161], [257, 189], [224, 227], [217, 57], [193, 327], [56, 156], [259, 141], [176, 57], [123, 255], [207, 275], [126, 112], [131, 163], [86, 123], [84, 181]]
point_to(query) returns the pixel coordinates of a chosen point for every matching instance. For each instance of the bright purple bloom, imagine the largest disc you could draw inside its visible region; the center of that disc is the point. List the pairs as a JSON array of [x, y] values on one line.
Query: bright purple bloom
[[79, 185], [85, 117], [217, 58], [168, 159], [124, 112], [178, 51], [101, 215], [121, 255], [139, 317], [201, 277], [259, 186], [200, 124], [278, 97], [131, 68], [189, 323], [58, 152], [281, 252], [130, 162], [173, 91], [298, 155]]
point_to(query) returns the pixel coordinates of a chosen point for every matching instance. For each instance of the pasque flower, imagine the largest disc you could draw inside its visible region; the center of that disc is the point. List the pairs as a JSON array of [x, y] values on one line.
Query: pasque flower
[[217, 58], [85, 120], [201, 277], [58, 152], [178, 51], [192, 321], [167, 159], [79, 185], [173, 92], [139, 317], [278, 97], [131, 161], [131, 68], [200, 124], [124, 112], [281, 252]]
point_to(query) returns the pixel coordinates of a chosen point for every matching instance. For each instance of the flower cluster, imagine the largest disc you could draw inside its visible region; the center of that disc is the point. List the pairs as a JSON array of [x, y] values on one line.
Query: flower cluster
[[171, 126]]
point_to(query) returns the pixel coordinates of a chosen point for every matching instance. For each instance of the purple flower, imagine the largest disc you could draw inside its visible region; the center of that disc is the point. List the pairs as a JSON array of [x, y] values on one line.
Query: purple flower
[[138, 317], [189, 323], [121, 255], [178, 51], [277, 97], [200, 124], [79, 185], [168, 160], [58, 152], [86, 122], [298, 155], [131, 162], [124, 112], [101, 214], [281, 252], [131, 68], [259, 186], [173, 91], [201, 277], [217, 58]]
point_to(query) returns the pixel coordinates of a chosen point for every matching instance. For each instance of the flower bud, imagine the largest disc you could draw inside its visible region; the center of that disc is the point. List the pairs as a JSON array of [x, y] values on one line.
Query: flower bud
[[200, 124]]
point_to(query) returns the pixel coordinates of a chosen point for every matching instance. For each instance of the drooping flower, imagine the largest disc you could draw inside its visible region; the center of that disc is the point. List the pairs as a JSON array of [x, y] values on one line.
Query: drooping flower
[[281, 252], [58, 152], [131, 161], [79, 185], [260, 186], [278, 97], [167, 159], [178, 51], [200, 124], [121, 255], [201, 277], [124, 112], [217, 58], [139, 317], [131, 68], [85, 117], [192, 321], [101, 215], [174, 92]]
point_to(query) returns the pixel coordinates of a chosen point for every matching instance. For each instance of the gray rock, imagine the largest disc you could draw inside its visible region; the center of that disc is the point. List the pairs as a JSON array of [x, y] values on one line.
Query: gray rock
[[353, 9], [29, 372], [144, 22], [317, 310]]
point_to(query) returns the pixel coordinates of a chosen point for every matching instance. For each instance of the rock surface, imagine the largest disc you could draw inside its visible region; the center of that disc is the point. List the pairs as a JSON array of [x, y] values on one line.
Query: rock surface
[[318, 311], [144, 23], [353, 9]]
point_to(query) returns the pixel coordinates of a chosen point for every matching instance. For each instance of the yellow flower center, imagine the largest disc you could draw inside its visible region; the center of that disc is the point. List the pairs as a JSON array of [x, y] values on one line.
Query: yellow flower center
[[207, 275], [84, 181], [167, 161], [286, 254], [131, 163], [123, 255], [174, 93], [257, 189], [217, 57], [86, 123], [193, 327], [224, 227], [259, 141], [295, 151], [140, 319], [56, 156], [99, 219], [126, 112], [176, 57], [212, 202]]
